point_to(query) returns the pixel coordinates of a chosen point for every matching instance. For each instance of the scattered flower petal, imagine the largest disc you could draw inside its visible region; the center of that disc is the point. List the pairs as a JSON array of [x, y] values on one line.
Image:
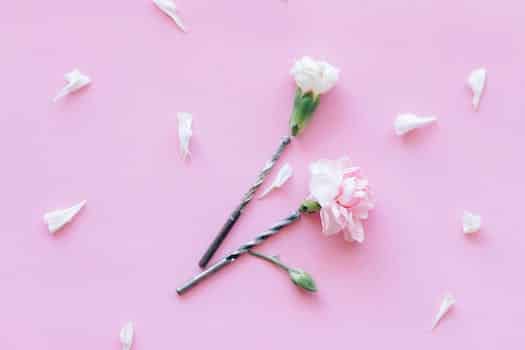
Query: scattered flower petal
[[447, 302], [126, 336], [405, 123], [55, 220], [170, 9], [185, 132], [283, 175], [476, 82], [471, 222], [75, 81]]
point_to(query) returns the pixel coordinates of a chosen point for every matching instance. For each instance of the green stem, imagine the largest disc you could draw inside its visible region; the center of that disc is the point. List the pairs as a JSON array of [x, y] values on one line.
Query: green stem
[[270, 259]]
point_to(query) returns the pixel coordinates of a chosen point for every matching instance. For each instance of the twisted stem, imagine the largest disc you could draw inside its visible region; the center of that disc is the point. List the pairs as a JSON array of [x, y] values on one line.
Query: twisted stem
[[243, 249], [248, 196]]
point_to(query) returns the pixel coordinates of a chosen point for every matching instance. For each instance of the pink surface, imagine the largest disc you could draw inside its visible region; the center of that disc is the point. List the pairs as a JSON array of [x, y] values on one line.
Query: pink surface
[[150, 216]]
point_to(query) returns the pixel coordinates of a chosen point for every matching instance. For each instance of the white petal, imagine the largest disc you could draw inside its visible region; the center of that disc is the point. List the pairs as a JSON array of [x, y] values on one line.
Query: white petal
[[408, 122], [55, 220], [185, 132], [169, 8], [471, 222], [446, 304], [330, 76], [283, 175], [476, 82], [126, 336], [75, 81], [316, 76], [326, 177]]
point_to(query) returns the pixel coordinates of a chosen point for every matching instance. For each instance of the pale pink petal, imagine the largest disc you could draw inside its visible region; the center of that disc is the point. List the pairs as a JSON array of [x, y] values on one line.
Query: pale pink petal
[[360, 212], [347, 236], [361, 184], [360, 194], [342, 215], [332, 220], [356, 230], [351, 171], [367, 201], [347, 191]]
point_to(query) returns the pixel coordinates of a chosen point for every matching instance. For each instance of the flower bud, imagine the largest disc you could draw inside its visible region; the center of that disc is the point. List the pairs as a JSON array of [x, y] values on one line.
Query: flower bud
[[310, 206], [302, 279], [303, 108]]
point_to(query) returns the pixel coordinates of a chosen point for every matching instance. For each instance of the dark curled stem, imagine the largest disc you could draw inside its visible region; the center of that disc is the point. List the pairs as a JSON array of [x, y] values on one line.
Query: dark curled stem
[[226, 228]]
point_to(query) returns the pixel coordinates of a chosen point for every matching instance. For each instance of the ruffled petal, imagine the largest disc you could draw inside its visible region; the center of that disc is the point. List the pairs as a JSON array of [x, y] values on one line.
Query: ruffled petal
[[361, 184], [348, 187], [325, 181], [360, 194], [360, 212], [306, 74], [333, 219], [314, 76], [347, 236], [329, 75], [355, 229]]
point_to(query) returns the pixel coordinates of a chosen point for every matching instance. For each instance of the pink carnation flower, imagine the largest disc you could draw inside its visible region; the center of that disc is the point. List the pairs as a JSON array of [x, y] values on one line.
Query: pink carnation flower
[[344, 196]]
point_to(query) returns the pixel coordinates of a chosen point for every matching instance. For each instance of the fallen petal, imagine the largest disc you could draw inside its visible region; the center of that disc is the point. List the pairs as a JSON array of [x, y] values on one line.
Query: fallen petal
[[282, 176], [471, 222], [170, 9], [447, 302], [405, 123], [75, 81], [476, 82], [55, 220], [126, 336], [185, 132]]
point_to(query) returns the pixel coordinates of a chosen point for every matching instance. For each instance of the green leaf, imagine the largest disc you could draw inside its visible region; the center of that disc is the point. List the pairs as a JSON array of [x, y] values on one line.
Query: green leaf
[[303, 279]]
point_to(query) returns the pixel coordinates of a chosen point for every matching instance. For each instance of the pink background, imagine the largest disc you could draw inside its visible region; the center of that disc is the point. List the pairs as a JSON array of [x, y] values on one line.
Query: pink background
[[150, 216]]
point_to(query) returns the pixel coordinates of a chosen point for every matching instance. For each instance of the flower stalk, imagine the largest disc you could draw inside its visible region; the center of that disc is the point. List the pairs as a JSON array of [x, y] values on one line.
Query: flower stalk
[[246, 199], [313, 78], [299, 277], [243, 249], [271, 259]]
